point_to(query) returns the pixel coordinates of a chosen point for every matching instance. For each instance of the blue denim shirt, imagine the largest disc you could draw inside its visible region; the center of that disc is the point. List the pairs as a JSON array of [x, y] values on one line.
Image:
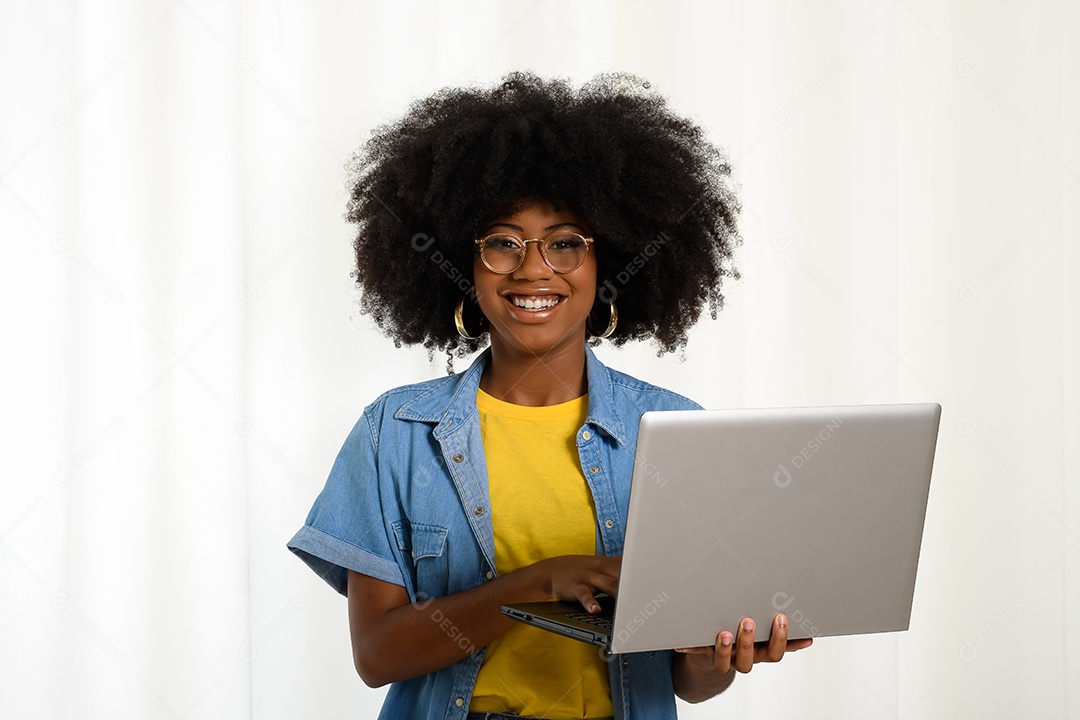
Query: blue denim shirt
[[407, 502]]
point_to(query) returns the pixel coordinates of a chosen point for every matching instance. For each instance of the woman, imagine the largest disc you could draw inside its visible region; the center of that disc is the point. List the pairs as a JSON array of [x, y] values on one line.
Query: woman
[[537, 218]]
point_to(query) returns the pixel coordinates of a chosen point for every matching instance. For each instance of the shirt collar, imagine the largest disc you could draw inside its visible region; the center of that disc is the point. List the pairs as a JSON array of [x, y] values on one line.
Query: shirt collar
[[450, 404], [603, 412]]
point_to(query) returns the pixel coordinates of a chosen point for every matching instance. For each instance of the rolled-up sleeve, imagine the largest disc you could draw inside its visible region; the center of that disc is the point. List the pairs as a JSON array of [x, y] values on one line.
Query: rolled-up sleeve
[[346, 527]]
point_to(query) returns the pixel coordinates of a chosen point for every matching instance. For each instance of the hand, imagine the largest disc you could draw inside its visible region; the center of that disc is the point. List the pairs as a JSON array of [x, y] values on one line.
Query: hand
[[743, 653], [579, 578]]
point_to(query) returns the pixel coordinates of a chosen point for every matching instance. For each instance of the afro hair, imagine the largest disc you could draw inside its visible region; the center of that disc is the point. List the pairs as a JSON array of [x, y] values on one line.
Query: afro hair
[[655, 192]]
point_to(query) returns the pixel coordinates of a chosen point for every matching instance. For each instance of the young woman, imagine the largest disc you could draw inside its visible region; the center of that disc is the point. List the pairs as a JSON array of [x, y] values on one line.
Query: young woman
[[537, 218]]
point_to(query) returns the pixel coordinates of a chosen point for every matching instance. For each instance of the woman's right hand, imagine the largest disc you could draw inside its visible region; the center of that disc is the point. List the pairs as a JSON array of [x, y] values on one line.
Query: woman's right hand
[[394, 639], [579, 578]]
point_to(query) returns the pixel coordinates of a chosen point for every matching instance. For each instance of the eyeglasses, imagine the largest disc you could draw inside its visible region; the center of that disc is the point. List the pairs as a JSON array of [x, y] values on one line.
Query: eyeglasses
[[564, 252]]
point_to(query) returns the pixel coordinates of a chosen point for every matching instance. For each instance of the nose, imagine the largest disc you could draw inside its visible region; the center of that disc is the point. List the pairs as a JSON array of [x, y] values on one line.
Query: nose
[[533, 267]]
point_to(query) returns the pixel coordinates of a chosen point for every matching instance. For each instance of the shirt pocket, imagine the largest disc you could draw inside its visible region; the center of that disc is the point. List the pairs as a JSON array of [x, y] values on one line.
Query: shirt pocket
[[426, 546]]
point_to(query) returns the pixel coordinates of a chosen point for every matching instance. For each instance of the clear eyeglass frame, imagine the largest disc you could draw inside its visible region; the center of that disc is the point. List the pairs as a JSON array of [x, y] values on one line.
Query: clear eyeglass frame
[[544, 245]]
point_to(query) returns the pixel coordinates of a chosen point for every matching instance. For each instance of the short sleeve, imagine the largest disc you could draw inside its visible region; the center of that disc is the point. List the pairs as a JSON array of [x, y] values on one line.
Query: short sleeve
[[345, 529]]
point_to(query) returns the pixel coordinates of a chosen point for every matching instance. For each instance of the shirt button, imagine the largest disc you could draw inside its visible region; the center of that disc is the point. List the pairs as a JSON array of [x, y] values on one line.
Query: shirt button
[[489, 575], [609, 524], [459, 457], [594, 469], [478, 511], [586, 435], [459, 702]]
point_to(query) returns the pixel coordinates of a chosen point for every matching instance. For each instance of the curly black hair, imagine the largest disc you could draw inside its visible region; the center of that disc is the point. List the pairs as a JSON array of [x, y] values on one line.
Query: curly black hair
[[654, 191]]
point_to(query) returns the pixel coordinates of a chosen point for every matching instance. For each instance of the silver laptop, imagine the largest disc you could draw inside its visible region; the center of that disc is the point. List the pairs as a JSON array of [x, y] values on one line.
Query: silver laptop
[[814, 512]]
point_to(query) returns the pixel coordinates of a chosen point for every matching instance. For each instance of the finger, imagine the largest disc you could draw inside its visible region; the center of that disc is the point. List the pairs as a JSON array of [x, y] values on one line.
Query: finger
[[585, 597], [722, 652], [744, 646], [610, 570], [607, 584], [801, 643], [610, 565], [777, 640]]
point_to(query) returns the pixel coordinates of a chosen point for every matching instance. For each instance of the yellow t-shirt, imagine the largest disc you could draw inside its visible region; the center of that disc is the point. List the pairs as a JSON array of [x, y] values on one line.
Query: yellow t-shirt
[[541, 507]]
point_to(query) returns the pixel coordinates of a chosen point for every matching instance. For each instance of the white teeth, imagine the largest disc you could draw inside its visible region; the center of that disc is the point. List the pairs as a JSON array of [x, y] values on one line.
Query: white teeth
[[531, 304]]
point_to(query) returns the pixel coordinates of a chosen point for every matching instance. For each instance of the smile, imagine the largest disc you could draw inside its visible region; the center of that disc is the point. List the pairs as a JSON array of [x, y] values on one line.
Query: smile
[[535, 303]]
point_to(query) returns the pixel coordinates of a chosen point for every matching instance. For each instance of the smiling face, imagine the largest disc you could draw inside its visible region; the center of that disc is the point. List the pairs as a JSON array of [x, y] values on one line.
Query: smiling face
[[535, 310]]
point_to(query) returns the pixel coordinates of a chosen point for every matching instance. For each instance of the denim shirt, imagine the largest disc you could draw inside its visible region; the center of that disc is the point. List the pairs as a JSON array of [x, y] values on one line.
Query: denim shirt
[[407, 502]]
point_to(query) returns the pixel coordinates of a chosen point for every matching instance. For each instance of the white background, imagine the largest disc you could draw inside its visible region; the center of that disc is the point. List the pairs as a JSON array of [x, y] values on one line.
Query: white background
[[182, 356]]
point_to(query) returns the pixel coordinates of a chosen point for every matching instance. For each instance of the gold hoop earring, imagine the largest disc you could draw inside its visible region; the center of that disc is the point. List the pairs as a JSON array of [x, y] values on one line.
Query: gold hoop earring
[[613, 321], [459, 322]]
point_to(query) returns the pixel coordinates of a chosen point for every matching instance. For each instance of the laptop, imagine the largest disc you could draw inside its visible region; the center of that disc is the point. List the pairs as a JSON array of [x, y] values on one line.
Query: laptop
[[815, 512]]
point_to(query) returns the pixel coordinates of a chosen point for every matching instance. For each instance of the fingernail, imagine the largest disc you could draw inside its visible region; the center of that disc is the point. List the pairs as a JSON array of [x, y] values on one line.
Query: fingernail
[[594, 607], [781, 621], [747, 625], [725, 639]]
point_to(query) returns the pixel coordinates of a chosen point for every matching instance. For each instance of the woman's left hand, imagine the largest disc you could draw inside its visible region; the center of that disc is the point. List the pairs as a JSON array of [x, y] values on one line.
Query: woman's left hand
[[742, 653]]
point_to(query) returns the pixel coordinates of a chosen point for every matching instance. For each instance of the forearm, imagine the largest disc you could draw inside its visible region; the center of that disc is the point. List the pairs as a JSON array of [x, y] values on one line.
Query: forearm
[[695, 679], [422, 637]]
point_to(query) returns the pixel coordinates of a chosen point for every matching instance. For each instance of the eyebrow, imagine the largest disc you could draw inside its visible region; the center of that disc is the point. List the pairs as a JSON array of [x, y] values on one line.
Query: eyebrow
[[548, 228]]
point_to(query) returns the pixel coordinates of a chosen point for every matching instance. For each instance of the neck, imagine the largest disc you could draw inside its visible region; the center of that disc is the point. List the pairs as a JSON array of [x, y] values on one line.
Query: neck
[[525, 379]]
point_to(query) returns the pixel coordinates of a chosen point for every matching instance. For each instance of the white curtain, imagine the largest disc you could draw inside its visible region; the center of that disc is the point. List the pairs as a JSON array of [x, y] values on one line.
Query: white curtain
[[182, 354]]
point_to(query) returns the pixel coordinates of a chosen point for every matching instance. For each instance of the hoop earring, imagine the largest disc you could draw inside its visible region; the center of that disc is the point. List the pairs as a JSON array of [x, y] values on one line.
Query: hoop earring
[[613, 321], [459, 322]]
